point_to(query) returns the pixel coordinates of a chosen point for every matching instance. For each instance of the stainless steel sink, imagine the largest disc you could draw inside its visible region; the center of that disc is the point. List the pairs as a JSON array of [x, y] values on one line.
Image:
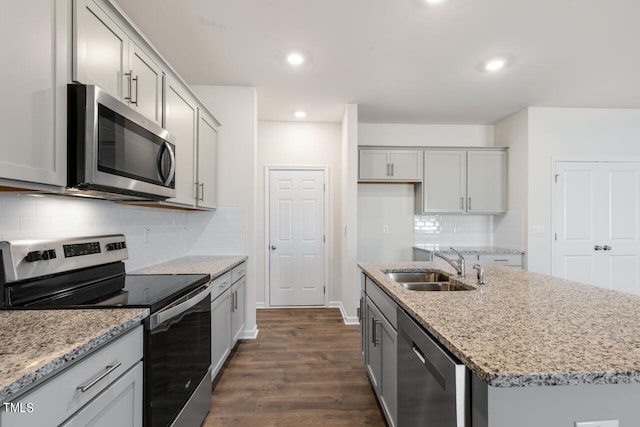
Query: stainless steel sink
[[426, 281], [434, 286], [418, 276]]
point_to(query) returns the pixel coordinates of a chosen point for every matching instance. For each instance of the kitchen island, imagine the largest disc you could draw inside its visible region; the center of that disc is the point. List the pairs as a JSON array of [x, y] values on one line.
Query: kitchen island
[[542, 351]]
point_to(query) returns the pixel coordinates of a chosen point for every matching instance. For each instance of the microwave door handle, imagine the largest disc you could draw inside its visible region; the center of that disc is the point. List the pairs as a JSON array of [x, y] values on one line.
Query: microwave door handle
[[172, 170], [159, 163]]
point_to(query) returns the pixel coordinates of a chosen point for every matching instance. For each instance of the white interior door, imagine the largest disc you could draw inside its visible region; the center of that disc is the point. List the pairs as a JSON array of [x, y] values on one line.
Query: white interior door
[[596, 222], [296, 237]]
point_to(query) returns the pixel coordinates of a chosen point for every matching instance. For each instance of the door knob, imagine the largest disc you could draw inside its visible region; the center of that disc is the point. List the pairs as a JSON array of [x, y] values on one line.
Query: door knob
[[273, 247], [606, 248], [597, 248]]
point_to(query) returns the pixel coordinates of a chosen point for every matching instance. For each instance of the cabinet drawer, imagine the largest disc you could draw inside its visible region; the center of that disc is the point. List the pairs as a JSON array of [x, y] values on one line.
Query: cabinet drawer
[[384, 303], [220, 284], [59, 397], [514, 260], [238, 272]]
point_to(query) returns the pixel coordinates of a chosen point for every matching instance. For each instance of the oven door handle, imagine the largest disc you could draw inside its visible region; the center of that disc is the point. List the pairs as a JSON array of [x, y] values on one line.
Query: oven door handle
[[173, 311]]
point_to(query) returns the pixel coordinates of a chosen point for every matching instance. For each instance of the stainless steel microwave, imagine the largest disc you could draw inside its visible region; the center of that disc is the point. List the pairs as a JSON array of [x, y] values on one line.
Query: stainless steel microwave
[[114, 152]]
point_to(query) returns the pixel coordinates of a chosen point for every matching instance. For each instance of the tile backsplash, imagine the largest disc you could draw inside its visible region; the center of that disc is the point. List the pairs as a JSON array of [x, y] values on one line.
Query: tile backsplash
[[459, 230], [153, 235]]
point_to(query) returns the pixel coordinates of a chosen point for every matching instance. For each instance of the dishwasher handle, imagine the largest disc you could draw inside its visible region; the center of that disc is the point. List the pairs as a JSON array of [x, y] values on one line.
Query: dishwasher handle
[[437, 375]]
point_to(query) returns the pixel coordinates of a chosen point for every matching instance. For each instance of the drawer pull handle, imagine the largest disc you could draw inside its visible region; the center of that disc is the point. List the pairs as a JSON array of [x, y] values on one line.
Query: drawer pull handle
[[501, 260], [108, 369]]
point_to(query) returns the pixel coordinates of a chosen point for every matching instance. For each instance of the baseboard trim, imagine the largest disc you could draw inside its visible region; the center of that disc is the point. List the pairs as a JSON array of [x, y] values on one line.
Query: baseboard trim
[[353, 320], [260, 305], [249, 334]]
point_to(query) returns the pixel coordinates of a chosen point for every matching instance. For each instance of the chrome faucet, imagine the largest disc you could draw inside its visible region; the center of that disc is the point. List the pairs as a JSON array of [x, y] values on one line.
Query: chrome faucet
[[480, 273], [457, 265]]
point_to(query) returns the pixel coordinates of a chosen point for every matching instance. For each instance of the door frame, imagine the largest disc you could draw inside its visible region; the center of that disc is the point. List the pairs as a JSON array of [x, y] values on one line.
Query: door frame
[[327, 242], [573, 159]]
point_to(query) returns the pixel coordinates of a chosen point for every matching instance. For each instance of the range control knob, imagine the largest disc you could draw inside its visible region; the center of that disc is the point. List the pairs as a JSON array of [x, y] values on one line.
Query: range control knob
[[33, 256], [49, 254]]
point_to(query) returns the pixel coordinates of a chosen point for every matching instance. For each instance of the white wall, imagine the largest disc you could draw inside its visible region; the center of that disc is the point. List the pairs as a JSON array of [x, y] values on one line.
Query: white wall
[[41, 217], [349, 228], [425, 135], [390, 206], [232, 228], [578, 133], [510, 229], [300, 144]]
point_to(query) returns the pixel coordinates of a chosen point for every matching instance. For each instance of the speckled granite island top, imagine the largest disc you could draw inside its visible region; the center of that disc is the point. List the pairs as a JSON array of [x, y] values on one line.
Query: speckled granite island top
[[483, 250], [36, 343], [213, 265], [527, 329]]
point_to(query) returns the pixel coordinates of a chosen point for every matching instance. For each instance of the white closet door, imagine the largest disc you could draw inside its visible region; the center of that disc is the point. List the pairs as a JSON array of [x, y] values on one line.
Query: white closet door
[[296, 237], [596, 207]]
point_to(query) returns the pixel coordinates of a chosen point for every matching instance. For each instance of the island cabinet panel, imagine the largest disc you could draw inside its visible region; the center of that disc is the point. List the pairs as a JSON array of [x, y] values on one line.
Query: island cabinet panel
[[34, 91], [220, 331], [380, 348], [553, 406], [109, 381]]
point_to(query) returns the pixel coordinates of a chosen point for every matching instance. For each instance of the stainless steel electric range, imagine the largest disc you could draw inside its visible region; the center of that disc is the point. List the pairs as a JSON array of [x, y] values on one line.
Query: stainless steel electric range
[[90, 272]]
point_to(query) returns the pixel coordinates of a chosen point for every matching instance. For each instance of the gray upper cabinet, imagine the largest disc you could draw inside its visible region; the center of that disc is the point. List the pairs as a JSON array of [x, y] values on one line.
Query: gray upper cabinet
[[34, 92], [463, 181], [100, 49], [383, 165], [144, 84], [181, 120], [444, 184], [487, 181], [207, 143], [105, 56]]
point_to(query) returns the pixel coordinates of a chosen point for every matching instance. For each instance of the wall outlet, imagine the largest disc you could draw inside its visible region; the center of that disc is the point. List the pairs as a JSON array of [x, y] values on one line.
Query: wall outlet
[[603, 423], [385, 229]]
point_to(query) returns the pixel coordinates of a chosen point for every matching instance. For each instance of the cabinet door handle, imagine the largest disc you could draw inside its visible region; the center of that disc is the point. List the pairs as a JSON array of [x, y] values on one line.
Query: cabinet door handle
[[108, 369], [461, 202], [373, 331], [135, 79], [388, 169], [391, 169], [129, 75], [235, 299], [469, 204], [202, 192]]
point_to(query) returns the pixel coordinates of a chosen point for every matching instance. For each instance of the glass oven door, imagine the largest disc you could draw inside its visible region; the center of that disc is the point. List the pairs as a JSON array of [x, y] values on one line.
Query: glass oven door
[[178, 355]]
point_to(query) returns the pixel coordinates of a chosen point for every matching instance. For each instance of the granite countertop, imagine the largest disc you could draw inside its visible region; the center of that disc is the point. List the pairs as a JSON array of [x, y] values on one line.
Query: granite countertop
[[524, 329], [213, 265], [36, 343], [487, 250]]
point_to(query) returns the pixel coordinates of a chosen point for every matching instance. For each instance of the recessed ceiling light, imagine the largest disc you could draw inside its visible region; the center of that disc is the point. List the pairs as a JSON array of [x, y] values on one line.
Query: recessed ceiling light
[[295, 58], [300, 114], [495, 64], [435, 1]]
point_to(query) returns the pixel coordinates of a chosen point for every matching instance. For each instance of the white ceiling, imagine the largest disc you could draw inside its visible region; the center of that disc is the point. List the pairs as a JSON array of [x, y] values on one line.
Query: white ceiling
[[401, 60]]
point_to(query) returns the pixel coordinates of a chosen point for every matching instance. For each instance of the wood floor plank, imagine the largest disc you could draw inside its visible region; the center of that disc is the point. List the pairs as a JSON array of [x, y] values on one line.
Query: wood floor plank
[[304, 369]]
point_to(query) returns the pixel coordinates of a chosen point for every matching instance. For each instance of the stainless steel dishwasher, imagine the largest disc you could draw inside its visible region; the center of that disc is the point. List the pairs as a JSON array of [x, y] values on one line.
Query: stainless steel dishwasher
[[433, 386]]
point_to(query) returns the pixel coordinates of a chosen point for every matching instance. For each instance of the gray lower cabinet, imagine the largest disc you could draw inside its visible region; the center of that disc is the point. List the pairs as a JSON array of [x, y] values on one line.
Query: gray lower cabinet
[[227, 314], [380, 348], [220, 331], [102, 389], [237, 309]]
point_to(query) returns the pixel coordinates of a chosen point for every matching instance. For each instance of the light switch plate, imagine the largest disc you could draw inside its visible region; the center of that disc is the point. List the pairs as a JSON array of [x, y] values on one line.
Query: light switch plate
[[603, 423]]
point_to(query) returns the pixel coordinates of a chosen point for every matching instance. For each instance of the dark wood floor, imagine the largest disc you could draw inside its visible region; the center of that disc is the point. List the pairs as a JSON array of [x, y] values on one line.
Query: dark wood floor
[[304, 369]]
